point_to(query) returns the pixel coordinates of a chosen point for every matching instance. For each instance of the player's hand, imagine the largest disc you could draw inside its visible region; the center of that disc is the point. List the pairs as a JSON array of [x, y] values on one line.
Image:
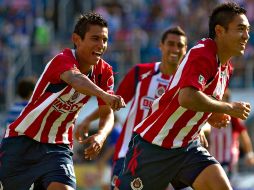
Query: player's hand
[[240, 110], [116, 102], [219, 120], [81, 131], [94, 145]]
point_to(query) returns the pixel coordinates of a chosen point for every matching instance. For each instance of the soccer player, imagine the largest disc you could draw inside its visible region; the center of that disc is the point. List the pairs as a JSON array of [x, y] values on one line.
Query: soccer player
[[165, 147], [146, 81], [36, 151]]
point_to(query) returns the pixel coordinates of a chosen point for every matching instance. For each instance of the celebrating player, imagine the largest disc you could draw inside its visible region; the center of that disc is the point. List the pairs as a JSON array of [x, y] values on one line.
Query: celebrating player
[[147, 82], [36, 151], [165, 147]]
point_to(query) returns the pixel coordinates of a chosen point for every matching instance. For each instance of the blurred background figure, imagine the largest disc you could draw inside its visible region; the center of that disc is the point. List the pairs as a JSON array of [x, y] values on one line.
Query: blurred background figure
[[225, 143], [24, 91]]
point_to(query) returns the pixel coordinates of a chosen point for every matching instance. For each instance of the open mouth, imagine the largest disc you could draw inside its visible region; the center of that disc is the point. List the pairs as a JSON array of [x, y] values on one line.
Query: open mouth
[[97, 53]]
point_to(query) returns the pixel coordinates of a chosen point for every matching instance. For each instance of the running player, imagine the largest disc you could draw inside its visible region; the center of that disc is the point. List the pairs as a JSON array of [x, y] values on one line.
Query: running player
[[36, 151], [165, 147], [146, 81]]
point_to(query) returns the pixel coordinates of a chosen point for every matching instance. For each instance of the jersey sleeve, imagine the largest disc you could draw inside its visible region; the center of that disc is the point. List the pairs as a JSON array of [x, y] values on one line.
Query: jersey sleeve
[[126, 88], [106, 83], [198, 72], [59, 65]]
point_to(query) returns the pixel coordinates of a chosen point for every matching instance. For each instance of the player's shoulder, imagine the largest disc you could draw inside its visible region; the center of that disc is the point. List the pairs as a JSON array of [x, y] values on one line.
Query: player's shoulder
[[205, 49], [146, 66], [65, 55]]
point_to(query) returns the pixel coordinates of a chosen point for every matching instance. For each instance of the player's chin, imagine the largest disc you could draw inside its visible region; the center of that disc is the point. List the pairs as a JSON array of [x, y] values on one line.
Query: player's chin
[[241, 52]]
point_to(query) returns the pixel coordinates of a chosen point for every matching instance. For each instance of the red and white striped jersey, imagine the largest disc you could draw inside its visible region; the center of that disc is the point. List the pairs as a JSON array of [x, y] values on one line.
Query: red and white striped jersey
[[150, 84], [224, 142], [169, 125], [53, 108]]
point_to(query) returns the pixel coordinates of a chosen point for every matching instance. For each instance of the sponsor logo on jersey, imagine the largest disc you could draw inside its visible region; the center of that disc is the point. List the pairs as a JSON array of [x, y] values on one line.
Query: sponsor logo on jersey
[[66, 103], [146, 103], [137, 184], [201, 80]]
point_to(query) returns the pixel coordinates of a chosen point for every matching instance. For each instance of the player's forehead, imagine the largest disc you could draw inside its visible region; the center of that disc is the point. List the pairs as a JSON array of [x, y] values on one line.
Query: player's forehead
[[96, 30], [175, 38], [239, 20]]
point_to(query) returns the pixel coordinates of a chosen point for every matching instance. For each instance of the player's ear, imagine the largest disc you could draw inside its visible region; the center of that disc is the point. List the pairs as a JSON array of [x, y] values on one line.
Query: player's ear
[[76, 39], [219, 30], [160, 46]]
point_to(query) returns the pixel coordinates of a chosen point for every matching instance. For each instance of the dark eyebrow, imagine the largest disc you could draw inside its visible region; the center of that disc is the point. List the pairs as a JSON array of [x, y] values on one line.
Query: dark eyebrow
[[244, 25]]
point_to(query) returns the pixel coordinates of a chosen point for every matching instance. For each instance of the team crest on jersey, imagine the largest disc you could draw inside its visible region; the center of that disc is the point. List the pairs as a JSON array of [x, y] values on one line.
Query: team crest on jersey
[[74, 97], [160, 90], [137, 184]]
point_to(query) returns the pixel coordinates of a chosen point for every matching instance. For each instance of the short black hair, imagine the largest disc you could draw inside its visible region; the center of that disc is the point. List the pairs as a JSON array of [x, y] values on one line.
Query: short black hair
[[87, 19], [25, 87], [173, 30], [222, 15]]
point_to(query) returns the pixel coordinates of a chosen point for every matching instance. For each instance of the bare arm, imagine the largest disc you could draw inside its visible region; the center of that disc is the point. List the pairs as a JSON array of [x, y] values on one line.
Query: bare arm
[[195, 100], [82, 129], [97, 140], [84, 85]]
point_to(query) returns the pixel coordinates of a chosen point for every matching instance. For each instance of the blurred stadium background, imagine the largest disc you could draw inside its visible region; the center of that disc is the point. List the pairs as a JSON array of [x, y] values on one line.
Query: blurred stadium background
[[32, 31]]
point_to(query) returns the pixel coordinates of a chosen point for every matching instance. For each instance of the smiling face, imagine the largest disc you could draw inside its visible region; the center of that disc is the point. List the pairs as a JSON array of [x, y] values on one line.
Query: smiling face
[[235, 36], [90, 49], [173, 49]]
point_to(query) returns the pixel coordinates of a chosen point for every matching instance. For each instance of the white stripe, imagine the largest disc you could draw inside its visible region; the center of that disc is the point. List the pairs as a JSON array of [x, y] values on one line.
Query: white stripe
[[42, 125], [179, 71], [185, 130], [39, 80], [168, 125], [66, 135], [29, 119]]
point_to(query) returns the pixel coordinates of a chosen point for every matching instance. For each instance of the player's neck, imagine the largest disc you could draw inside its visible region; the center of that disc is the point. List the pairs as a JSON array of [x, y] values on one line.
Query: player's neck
[[222, 53], [167, 69], [83, 67]]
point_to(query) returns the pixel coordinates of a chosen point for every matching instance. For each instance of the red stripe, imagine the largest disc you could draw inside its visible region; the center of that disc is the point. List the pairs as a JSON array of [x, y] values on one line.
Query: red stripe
[[62, 128], [195, 129], [178, 125], [48, 125], [35, 126], [164, 115]]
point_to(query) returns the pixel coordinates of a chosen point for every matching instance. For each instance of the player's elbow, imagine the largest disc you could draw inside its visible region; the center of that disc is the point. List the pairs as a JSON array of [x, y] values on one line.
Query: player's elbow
[[185, 98]]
